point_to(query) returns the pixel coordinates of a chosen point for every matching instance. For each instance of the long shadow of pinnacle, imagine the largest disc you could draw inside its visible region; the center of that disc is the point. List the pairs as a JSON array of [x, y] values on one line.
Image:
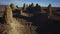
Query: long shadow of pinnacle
[[49, 26]]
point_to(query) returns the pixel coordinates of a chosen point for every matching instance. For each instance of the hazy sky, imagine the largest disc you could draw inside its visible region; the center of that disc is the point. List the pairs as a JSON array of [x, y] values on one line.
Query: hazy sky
[[55, 3]]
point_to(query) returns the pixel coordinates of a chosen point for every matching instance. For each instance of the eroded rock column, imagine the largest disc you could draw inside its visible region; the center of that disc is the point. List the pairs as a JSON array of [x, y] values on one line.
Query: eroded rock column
[[50, 10], [8, 16], [14, 26]]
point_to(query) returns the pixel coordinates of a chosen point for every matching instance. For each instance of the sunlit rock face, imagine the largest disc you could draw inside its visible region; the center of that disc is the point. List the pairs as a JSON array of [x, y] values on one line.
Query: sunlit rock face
[[8, 15], [14, 26]]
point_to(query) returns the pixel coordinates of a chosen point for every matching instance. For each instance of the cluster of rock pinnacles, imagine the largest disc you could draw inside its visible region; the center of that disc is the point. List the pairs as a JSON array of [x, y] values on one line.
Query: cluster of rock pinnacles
[[22, 24]]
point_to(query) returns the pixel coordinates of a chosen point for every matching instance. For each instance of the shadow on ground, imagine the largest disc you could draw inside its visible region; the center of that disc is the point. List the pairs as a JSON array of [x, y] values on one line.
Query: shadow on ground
[[44, 25]]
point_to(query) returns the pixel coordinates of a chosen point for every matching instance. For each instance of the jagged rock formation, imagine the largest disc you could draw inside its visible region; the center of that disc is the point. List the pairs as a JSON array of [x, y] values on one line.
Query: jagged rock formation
[[13, 7], [25, 6], [16, 26], [32, 5]]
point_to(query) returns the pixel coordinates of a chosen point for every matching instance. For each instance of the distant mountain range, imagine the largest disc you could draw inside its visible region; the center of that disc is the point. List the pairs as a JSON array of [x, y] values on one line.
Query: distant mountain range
[[2, 6]]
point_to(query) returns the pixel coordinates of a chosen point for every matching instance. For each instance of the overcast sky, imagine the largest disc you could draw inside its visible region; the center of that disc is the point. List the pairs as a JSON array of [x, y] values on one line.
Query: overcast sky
[[55, 3]]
